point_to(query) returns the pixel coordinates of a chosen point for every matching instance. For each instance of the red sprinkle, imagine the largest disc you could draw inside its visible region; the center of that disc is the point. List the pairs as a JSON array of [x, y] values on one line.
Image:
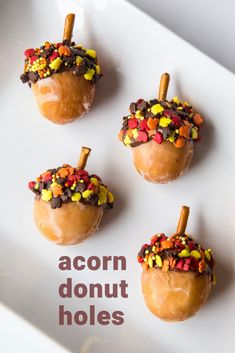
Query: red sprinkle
[[176, 120], [144, 125], [59, 44], [132, 123], [142, 136], [29, 52], [32, 59], [86, 179], [191, 245], [180, 264], [82, 172], [54, 56], [31, 184], [158, 138]]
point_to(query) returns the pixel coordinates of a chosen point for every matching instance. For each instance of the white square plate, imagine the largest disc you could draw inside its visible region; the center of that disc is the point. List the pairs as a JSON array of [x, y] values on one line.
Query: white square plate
[[133, 51]]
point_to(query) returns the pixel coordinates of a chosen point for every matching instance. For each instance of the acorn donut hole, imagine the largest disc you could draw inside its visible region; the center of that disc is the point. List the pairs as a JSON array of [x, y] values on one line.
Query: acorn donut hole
[[161, 135], [69, 202], [62, 77], [177, 274]]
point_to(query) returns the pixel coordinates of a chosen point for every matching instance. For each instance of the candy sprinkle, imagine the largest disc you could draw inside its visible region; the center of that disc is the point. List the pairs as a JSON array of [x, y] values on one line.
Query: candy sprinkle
[[52, 58], [177, 253], [67, 184], [172, 121]]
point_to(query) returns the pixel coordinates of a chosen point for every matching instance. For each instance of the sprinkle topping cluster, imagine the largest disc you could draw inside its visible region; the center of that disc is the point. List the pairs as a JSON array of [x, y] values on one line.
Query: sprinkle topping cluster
[[52, 58], [179, 252], [160, 121], [68, 184]]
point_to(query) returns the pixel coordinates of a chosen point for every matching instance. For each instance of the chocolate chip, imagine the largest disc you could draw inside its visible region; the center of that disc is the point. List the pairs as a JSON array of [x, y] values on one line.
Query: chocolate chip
[[64, 198], [68, 192], [153, 102], [142, 105], [60, 181], [69, 59], [56, 202], [24, 77], [133, 108], [166, 132], [80, 187], [79, 52], [67, 42], [79, 70], [149, 115], [93, 199], [46, 53], [33, 76]]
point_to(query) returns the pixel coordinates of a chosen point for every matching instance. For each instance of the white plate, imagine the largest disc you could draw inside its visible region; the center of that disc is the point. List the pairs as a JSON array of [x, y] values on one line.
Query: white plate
[[134, 51]]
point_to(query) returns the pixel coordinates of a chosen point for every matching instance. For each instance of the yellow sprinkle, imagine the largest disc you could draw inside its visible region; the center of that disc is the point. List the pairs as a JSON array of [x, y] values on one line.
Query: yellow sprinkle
[[156, 109], [127, 140], [103, 189], [46, 195], [55, 64], [158, 261], [145, 260], [110, 197], [150, 262], [97, 69], [164, 122], [208, 255], [102, 198], [195, 254], [89, 74], [76, 196], [94, 181], [54, 184], [135, 133], [79, 60], [91, 53], [194, 133], [138, 114], [87, 193], [36, 186], [146, 251], [171, 138], [214, 279], [184, 253], [176, 100]]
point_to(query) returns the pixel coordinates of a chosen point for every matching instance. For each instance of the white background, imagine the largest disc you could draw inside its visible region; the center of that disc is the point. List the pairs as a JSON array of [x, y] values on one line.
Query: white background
[[209, 25], [29, 277]]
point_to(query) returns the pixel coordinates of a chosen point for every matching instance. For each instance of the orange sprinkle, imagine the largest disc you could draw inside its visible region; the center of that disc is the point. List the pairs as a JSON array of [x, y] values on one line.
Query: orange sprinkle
[[198, 119], [202, 266], [129, 133], [64, 50], [57, 190], [63, 172], [152, 123], [180, 142], [166, 244], [184, 131], [44, 175], [70, 170]]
